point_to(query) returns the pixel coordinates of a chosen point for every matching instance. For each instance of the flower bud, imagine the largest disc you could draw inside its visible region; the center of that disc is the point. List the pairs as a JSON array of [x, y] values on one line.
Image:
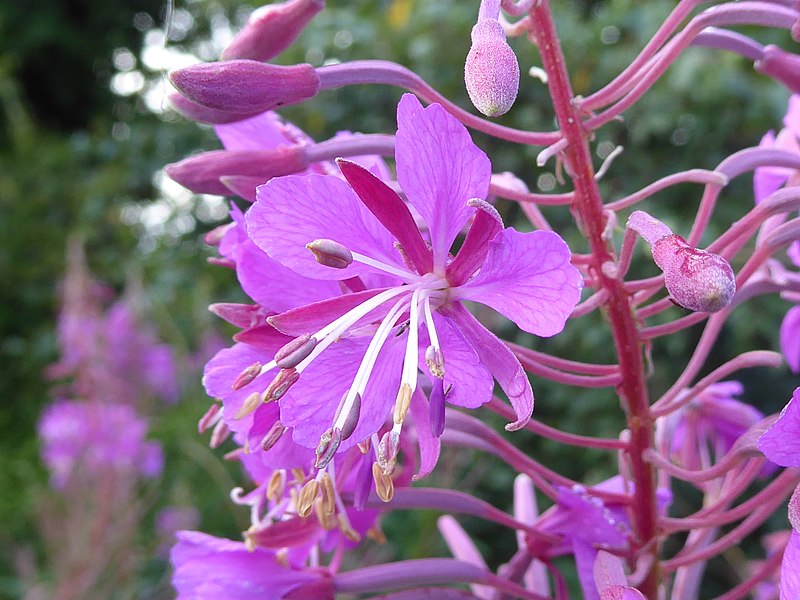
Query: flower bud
[[781, 65], [696, 279], [271, 29], [201, 114], [491, 71], [246, 87], [201, 174]]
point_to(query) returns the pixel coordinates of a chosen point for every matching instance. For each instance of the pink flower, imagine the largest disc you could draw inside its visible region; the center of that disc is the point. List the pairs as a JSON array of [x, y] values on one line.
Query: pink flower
[[404, 307]]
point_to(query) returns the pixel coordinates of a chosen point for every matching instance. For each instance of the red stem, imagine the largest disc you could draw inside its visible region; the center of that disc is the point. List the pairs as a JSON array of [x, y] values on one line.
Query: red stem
[[589, 207]]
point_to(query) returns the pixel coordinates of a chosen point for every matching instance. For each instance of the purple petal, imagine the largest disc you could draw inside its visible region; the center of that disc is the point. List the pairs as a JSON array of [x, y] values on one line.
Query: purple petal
[[790, 338], [312, 317], [292, 211], [792, 117], [471, 256], [262, 132], [469, 382], [311, 405], [528, 278], [439, 168], [390, 210], [217, 569], [429, 445], [500, 361], [781, 442], [790, 569]]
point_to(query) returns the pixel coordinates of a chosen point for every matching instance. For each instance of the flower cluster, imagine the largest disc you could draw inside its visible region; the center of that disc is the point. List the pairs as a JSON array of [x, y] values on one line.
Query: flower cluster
[[363, 353]]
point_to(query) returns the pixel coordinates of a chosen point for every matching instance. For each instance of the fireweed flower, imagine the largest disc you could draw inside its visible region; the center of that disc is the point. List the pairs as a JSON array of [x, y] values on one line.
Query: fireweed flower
[[405, 309], [712, 421], [781, 445], [92, 436]]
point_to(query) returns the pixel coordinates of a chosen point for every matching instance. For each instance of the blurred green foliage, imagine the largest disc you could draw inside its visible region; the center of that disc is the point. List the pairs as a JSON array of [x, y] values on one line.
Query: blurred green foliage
[[77, 157]]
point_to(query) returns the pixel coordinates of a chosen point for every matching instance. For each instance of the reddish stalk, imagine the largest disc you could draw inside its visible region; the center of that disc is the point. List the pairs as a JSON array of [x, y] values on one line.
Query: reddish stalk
[[589, 207]]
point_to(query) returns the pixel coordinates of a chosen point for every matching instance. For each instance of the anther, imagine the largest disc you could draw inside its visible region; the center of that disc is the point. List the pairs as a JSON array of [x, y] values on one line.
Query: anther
[[246, 376], [272, 436], [328, 499], [326, 521], [219, 435], [293, 353], [402, 404], [308, 495], [348, 424], [285, 379], [330, 254], [435, 361], [384, 485], [326, 450], [365, 446], [211, 416], [252, 402], [277, 485], [346, 528], [387, 451]]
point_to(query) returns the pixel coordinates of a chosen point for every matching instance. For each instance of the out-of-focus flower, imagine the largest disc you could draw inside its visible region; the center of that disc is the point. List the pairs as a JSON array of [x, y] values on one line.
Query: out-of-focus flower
[[84, 437]]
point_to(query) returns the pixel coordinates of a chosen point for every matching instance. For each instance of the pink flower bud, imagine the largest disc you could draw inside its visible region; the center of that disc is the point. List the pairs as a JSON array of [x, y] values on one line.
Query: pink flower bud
[[201, 114], [271, 29], [491, 71], [245, 87], [202, 173], [696, 279], [781, 65]]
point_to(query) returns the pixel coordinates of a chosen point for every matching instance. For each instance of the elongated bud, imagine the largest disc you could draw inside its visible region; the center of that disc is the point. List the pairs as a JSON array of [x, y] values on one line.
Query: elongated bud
[[328, 445], [246, 87], [491, 71], [697, 280], [273, 436], [308, 495], [246, 376], [202, 114], [285, 379], [781, 65], [330, 254], [271, 29], [387, 451], [384, 485], [201, 173], [293, 353]]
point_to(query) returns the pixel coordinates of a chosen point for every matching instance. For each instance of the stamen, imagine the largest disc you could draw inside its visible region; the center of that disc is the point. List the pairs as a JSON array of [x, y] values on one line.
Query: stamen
[[273, 436], [246, 376], [328, 500], [285, 379], [346, 528], [384, 485], [293, 353], [330, 254], [252, 402], [376, 264], [433, 354], [326, 520], [277, 485], [219, 435], [402, 404], [350, 419], [436, 408], [308, 495], [211, 416], [388, 448], [328, 444], [408, 381]]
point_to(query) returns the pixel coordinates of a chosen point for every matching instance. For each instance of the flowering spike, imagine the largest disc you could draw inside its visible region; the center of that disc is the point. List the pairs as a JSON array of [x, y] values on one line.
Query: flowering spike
[[491, 71], [271, 29], [330, 254], [285, 379], [246, 376], [696, 279], [245, 87], [293, 353]]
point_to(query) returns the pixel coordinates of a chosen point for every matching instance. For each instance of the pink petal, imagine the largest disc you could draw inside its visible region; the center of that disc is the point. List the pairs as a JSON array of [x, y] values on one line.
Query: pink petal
[[469, 382], [439, 168], [528, 278], [429, 445], [500, 361], [314, 316], [471, 256], [292, 211], [390, 210], [790, 569], [781, 442], [262, 132], [790, 338]]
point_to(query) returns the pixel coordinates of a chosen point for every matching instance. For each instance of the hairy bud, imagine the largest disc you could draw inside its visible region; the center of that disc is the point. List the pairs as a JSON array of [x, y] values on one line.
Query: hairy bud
[[491, 71]]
